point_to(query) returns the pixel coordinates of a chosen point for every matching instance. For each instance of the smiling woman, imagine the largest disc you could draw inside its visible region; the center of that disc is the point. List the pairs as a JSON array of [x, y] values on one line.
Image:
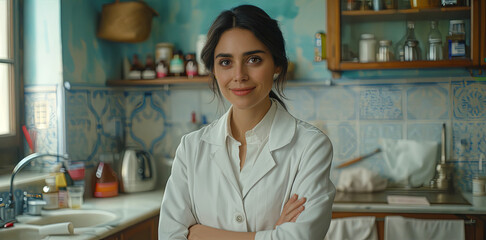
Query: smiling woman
[[257, 172]]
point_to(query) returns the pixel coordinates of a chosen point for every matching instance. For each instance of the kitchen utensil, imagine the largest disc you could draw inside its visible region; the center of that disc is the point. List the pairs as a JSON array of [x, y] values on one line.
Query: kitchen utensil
[[137, 171], [355, 160]]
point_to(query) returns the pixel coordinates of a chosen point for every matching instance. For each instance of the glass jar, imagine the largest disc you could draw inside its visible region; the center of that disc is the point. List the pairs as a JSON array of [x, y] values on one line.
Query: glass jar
[[384, 51], [367, 48]]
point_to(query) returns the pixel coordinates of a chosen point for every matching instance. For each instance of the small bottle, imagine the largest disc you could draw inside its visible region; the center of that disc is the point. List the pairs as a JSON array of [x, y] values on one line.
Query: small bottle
[[408, 48], [456, 40], [106, 181], [162, 69], [177, 65], [191, 65], [62, 190], [434, 50], [50, 194], [384, 53]]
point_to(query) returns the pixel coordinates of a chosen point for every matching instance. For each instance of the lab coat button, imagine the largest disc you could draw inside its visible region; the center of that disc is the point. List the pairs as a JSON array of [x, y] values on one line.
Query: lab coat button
[[239, 218]]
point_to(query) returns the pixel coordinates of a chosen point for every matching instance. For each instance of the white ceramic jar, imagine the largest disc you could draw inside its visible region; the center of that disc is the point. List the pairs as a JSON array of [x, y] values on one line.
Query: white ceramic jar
[[367, 48]]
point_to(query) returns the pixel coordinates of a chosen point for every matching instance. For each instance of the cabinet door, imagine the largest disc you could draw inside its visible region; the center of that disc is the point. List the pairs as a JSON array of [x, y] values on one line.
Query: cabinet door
[[483, 33], [144, 230], [344, 29]]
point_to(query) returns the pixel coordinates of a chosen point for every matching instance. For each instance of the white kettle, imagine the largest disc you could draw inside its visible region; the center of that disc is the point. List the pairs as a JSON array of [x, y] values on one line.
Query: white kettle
[[137, 171]]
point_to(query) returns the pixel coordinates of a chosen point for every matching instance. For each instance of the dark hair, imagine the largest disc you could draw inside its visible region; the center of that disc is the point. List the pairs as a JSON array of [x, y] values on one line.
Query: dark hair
[[263, 27]]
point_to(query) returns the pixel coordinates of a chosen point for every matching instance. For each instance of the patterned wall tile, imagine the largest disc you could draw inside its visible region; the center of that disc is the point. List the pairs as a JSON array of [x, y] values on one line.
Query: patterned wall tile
[[427, 102], [301, 103], [182, 103], [469, 140], [336, 103], [424, 131], [469, 100], [45, 132], [344, 140], [380, 103]]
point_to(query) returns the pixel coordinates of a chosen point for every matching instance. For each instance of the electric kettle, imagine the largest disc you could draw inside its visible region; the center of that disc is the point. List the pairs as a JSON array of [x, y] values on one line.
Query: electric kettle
[[137, 171]]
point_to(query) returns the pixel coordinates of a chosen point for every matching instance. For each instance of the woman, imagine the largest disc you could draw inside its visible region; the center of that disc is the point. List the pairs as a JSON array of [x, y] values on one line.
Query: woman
[[241, 176]]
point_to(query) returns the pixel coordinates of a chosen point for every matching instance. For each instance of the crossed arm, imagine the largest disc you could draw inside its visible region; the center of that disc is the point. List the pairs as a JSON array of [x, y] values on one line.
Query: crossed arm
[[290, 212]]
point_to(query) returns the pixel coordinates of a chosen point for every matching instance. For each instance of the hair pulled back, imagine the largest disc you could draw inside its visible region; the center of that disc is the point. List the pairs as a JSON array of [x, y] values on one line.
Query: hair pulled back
[[264, 28]]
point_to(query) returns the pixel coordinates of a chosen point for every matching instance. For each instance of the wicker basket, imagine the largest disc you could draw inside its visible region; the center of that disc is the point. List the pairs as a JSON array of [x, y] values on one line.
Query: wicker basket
[[126, 21]]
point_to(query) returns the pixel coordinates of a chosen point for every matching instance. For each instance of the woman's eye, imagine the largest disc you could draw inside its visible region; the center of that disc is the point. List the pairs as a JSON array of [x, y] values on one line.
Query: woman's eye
[[224, 62], [254, 60]]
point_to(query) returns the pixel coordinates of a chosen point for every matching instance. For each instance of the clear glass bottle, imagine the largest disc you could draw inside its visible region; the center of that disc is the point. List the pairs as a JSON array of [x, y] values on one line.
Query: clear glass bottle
[[434, 49], [385, 53], [409, 44]]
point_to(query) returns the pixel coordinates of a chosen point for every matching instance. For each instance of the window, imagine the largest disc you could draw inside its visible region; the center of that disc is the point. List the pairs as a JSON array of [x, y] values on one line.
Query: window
[[10, 140]]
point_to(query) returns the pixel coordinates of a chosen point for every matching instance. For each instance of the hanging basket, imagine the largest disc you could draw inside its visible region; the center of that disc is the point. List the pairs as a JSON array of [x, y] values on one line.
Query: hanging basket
[[126, 21]]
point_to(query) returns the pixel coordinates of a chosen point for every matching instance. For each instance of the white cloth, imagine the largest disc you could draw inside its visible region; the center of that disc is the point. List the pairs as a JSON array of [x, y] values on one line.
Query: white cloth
[[408, 162], [65, 228], [203, 188], [256, 141], [360, 179], [397, 228], [352, 228]]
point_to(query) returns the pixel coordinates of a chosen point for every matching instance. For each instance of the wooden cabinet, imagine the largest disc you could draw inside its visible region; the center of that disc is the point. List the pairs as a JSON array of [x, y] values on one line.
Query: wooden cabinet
[[474, 224], [147, 230], [344, 28], [161, 81]]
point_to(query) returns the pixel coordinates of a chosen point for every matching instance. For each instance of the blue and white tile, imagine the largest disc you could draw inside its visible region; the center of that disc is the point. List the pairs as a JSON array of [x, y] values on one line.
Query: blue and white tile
[[381, 103], [469, 100], [301, 103], [148, 122], [182, 103], [469, 140], [336, 103], [82, 127], [427, 102], [344, 139], [424, 131]]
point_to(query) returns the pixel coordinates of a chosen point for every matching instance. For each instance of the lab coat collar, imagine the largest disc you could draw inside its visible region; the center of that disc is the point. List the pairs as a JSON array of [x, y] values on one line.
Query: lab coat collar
[[282, 132]]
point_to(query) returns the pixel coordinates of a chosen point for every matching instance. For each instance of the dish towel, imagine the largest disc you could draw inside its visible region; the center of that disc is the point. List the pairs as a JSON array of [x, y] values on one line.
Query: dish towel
[[360, 179], [397, 228], [352, 228]]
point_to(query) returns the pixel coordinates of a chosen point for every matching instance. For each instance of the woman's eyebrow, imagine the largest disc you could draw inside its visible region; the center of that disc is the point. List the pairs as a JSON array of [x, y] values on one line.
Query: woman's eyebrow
[[224, 55]]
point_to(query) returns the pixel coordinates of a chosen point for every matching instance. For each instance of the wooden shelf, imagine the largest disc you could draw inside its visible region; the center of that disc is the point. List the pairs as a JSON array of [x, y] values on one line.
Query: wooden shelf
[[404, 11], [160, 81], [405, 65]]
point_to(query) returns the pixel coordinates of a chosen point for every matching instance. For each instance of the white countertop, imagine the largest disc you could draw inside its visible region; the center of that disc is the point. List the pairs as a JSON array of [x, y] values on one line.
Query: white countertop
[[478, 206], [129, 208], [136, 207]]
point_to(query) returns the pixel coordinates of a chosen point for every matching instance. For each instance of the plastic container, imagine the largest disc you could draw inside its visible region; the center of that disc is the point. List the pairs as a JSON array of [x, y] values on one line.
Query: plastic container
[[105, 181], [367, 48], [50, 194]]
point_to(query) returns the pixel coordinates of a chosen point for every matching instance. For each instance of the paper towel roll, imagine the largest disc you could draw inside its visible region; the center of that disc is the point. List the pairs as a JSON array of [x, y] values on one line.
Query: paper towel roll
[[57, 229]]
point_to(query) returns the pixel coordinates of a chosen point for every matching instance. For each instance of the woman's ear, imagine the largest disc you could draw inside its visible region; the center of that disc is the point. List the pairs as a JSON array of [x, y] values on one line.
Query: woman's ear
[[278, 70]]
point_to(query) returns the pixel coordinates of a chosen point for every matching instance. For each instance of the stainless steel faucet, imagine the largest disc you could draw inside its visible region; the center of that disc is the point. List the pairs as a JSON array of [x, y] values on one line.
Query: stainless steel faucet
[[8, 214]]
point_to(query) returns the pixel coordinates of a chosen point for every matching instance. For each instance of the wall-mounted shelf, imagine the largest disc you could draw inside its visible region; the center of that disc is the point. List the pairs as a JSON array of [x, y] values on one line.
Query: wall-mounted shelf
[[158, 82]]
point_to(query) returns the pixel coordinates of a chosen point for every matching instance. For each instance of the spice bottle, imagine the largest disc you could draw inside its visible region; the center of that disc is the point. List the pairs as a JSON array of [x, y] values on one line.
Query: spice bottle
[[106, 181], [191, 65], [50, 194], [177, 65]]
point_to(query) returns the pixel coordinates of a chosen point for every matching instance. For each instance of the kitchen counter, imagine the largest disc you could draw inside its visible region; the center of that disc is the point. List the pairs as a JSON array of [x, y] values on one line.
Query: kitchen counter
[[129, 208], [136, 207], [477, 205]]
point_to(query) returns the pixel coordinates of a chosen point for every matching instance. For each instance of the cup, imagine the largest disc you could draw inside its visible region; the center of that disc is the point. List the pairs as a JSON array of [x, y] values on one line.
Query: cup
[[75, 196]]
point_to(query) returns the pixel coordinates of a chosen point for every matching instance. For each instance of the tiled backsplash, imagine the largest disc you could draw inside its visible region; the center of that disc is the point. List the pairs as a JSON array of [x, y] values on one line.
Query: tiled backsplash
[[355, 114]]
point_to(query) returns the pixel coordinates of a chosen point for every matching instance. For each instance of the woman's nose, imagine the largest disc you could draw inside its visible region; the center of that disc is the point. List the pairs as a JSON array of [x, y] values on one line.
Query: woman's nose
[[240, 73]]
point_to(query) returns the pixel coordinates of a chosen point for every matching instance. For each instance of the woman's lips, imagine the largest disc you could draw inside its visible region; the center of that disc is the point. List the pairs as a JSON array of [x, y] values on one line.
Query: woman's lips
[[242, 91]]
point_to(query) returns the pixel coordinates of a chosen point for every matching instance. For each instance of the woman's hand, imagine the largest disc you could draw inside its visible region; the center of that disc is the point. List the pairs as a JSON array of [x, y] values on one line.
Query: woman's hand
[[291, 210]]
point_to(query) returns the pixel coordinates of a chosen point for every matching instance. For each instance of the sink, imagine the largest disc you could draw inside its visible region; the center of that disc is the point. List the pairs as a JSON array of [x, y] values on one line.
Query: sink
[[79, 218], [16, 232]]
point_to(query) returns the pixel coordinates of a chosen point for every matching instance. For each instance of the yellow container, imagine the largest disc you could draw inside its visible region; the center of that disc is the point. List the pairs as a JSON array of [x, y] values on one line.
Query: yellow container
[[424, 3]]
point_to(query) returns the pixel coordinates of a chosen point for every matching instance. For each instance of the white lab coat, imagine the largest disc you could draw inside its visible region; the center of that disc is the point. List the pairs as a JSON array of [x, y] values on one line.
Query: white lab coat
[[203, 189]]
